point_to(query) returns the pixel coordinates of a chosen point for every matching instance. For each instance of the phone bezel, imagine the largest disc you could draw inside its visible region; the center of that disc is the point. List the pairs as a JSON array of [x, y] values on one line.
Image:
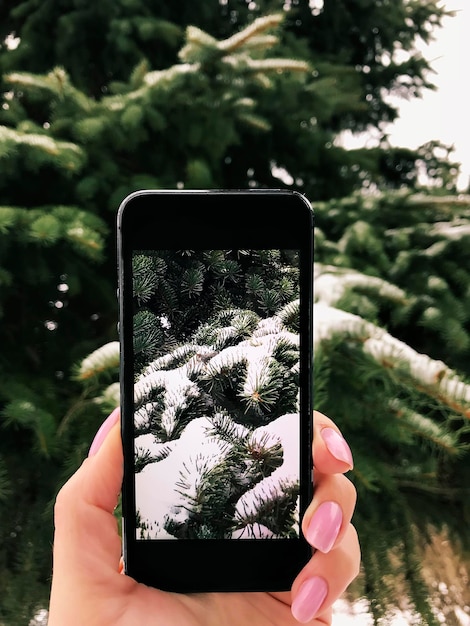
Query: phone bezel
[[256, 219]]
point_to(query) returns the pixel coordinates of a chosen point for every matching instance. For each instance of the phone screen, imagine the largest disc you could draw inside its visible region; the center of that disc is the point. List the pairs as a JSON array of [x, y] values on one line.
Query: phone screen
[[216, 421], [216, 304]]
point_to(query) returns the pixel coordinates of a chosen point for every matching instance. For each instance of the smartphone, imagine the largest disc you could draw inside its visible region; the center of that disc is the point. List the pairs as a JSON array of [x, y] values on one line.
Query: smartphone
[[215, 293]]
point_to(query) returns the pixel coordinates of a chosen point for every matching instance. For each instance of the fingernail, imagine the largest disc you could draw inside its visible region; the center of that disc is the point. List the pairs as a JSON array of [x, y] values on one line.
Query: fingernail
[[103, 431], [324, 526], [337, 446], [309, 599]]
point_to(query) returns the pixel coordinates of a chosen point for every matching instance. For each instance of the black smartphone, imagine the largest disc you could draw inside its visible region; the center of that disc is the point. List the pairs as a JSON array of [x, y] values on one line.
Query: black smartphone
[[216, 387]]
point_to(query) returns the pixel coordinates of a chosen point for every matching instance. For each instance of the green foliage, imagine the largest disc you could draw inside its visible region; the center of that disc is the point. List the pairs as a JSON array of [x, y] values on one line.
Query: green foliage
[[245, 387], [104, 360], [389, 308], [418, 244], [133, 94], [262, 69], [237, 279]]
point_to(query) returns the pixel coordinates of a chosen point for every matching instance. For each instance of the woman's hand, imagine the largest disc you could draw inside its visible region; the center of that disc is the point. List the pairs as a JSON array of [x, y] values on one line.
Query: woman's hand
[[88, 588]]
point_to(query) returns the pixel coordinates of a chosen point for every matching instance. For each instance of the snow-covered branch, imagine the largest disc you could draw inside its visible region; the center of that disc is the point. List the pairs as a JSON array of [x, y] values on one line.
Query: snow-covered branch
[[430, 376], [332, 283]]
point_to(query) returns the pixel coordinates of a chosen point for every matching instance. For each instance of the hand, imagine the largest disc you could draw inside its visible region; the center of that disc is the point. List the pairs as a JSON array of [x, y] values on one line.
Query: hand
[[88, 588]]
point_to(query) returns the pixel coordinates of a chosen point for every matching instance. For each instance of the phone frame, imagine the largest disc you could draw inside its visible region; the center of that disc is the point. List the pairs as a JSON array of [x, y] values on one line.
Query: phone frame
[[256, 219]]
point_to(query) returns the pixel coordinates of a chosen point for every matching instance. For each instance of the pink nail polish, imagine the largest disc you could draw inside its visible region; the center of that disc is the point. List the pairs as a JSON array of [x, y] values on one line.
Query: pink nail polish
[[337, 446], [103, 431], [325, 526], [309, 599]]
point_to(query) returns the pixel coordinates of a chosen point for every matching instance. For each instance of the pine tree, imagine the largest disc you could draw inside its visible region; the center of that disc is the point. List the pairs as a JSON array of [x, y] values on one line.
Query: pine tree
[[127, 95], [391, 290], [216, 392], [226, 411], [80, 156], [349, 46]]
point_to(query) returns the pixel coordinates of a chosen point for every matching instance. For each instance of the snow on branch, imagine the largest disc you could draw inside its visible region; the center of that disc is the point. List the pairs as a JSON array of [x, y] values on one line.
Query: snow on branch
[[102, 360], [69, 153], [426, 200], [56, 82], [277, 65], [431, 377], [426, 428], [451, 230], [332, 283], [259, 25]]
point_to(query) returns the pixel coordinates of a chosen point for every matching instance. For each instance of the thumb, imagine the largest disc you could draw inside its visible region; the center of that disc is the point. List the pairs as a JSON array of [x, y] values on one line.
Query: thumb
[[86, 531], [106, 461]]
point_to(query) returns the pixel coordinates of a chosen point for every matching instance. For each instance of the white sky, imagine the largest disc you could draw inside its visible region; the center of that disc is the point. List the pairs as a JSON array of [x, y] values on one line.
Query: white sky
[[443, 114]]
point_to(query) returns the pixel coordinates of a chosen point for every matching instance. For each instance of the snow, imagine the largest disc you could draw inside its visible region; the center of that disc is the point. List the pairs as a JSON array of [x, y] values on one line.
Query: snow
[[147, 444], [356, 614], [177, 390], [389, 351], [286, 428], [160, 490], [175, 382], [254, 531], [102, 356], [156, 496], [331, 284], [451, 231]]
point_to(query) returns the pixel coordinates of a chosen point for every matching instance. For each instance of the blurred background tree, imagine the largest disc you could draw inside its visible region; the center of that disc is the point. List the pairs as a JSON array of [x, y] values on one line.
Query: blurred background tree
[[101, 99]]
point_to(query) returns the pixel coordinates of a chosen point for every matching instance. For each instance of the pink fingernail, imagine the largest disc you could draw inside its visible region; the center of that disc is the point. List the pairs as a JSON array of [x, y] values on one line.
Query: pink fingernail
[[103, 431], [309, 599], [324, 526], [337, 446]]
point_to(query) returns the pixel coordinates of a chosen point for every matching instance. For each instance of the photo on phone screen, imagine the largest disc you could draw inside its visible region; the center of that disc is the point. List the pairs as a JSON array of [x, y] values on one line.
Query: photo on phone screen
[[216, 394]]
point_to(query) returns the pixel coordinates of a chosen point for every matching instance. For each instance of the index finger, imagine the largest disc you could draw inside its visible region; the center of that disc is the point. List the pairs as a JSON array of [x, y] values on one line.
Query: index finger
[[331, 452]]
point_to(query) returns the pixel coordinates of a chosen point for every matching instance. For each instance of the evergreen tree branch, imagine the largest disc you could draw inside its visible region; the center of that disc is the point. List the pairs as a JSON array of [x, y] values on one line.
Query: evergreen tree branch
[[103, 360], [427, 429], [55, 83], [429, 376], [258, 26], [67, 155], [333, 283]]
